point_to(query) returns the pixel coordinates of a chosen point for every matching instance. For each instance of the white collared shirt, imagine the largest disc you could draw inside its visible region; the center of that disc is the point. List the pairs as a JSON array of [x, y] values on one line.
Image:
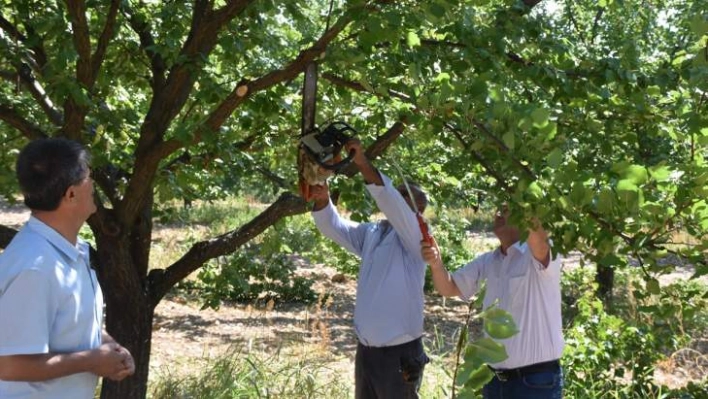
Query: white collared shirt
[[389, 295], [527, 290], [50, 302]]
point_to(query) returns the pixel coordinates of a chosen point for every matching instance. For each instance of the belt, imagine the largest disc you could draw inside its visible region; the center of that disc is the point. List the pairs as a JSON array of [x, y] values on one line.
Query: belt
[[508, 374], [405, 345]]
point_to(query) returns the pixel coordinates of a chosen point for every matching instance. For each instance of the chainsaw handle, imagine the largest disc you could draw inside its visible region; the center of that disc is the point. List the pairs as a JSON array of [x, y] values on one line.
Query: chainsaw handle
[[424, 229], [341, 164]]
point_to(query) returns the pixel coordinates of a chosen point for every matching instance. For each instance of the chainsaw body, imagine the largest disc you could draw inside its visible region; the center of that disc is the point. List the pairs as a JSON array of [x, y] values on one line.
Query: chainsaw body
[[319, 155]]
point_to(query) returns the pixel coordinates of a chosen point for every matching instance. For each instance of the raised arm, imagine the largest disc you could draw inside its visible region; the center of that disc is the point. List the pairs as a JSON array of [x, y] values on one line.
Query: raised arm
[[350, 235], [538, 243], [370, 174], [442, 279], [389, 200]]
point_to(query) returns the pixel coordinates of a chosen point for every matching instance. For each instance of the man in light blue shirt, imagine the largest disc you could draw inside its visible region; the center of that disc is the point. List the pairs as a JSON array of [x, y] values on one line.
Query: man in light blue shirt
[[388, 315], [51, 306]]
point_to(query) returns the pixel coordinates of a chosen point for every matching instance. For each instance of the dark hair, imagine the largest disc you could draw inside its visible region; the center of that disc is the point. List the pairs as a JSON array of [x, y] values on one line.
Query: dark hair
[[46, 168], [421, 199]]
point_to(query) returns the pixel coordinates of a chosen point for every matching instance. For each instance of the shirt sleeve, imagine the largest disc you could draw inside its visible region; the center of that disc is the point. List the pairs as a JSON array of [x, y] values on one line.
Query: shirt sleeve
[[469, 277], [27, 313], [398, 213], [348, 234], [554, 265]]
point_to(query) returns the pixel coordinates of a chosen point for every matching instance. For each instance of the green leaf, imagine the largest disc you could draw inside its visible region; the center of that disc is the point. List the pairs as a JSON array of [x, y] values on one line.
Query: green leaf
[[486, 349], [653, 286], [699, 25], [636, 174], [412, 39], [540, 117], [606, 200], [627, 186], [555, 158], [580, 195], [498, 323], [509, 140], [660, 173], [479, 378], [549, 131]]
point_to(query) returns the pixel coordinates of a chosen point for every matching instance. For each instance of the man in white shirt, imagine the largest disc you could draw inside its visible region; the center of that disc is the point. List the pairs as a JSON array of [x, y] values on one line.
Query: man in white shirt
[[51, 307], [525, 280], [388, 315]]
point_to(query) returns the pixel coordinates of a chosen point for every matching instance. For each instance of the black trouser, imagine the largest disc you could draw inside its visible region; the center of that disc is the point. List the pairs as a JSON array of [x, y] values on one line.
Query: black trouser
[[389, 372]]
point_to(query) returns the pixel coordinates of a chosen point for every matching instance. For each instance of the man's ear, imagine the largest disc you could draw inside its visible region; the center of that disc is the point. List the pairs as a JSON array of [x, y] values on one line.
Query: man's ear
[[70, 194]]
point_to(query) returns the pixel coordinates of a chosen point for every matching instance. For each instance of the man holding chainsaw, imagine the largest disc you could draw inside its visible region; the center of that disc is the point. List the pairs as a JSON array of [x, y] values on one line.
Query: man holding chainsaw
[[388, 315], [525, 280]]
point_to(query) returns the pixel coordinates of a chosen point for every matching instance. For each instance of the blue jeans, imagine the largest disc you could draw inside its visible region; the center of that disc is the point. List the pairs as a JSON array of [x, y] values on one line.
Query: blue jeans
[[543, 385]]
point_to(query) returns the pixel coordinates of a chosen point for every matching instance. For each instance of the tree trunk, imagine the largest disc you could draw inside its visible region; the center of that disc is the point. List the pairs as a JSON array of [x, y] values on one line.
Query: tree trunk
[[605, 278], [129, 311], [132, 328]]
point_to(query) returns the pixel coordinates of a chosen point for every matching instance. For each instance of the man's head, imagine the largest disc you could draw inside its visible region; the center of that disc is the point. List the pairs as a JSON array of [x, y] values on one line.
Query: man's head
[[421, 199], [50, 170], [505, 232]]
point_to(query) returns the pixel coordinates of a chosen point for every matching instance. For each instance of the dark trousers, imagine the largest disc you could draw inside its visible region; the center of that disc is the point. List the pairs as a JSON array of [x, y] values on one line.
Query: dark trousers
[[389, 372]]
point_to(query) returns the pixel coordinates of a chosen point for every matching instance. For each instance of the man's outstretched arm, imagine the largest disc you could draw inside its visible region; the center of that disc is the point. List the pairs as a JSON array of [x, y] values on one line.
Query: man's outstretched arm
[[442, 279], [538, 243]]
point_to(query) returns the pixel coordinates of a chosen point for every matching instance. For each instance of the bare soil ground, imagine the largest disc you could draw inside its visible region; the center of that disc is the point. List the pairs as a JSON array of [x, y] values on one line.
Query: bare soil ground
[[186, 337]]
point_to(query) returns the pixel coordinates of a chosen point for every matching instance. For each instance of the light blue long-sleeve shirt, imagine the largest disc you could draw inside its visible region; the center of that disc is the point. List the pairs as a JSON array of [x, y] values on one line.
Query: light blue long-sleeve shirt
[[50, 302], [389, 297]]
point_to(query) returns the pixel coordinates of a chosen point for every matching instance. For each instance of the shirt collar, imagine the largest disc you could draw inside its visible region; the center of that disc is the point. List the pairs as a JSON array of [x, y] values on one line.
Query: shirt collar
[[515, 247], [56, 239]]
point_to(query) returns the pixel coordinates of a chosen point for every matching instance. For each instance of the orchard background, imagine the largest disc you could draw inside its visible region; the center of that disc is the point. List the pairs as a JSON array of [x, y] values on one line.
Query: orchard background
[[589, 114]]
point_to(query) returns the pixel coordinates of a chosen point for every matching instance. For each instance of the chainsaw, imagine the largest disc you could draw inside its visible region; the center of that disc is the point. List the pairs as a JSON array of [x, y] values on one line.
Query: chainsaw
[[319, 150]]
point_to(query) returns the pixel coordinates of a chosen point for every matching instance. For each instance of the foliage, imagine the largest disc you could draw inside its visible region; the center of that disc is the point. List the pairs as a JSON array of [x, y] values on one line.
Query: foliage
[[259, 272], [472, 373], [614, 355], [590, 115], [217, 216]]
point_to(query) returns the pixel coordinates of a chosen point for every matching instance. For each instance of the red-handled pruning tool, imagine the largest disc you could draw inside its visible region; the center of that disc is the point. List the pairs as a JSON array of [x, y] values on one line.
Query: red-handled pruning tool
[[421, 222]]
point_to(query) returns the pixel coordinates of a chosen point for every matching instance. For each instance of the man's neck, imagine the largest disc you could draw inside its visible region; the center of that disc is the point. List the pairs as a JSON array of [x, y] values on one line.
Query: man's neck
[[59, 224], [505, 245]]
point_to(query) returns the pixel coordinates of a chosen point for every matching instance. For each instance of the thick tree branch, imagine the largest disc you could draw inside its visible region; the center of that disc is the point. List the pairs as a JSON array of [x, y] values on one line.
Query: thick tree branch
[[25, 67], [531, 3], [36, 91], [379, 146], [245, 89], [82, 40], [103, 40], [161, 280], [74, 111], [157, 63], [11, 117], [40, 56], [169, 99], [595, 24], [168, 102]]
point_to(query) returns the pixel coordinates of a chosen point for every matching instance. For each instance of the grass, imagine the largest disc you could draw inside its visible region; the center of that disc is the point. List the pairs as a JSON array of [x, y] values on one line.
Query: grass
[[255, 375]]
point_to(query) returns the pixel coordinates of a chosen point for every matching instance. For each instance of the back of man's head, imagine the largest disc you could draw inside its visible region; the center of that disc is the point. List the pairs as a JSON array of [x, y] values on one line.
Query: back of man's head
[[421, 199], [46, 168]]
